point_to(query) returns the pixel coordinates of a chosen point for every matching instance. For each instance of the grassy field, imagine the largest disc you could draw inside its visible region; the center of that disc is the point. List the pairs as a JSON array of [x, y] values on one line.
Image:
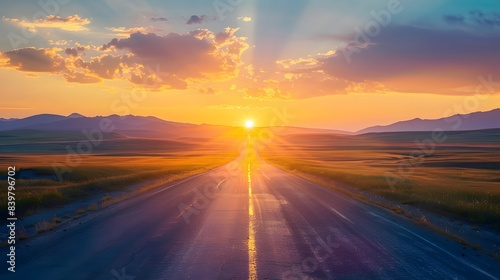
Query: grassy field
[[114, 165], [459, 177]]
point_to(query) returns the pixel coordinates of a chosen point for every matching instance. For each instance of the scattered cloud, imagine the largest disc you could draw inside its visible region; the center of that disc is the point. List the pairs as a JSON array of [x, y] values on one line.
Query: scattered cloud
[[300, 62], [196, 55], [71, 52], [70, 23], [475, 18], [167, 61], [486, 19], [245, 19], [226, 36], [104, 66], [194, 19], [59, 42], [82, 78], [34, 60], [416, 59], [263, 93], [125, 32], [157, 19]]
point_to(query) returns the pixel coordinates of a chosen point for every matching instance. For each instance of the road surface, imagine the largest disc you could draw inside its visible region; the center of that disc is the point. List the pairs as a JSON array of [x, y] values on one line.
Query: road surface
[[246, 220]]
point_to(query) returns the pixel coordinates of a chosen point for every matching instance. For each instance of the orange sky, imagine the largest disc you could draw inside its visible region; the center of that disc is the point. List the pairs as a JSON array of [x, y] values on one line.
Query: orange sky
[[201, 66]]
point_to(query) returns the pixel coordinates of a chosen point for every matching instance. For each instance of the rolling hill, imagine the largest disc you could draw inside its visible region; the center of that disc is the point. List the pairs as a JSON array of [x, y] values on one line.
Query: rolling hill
[[473, 121]]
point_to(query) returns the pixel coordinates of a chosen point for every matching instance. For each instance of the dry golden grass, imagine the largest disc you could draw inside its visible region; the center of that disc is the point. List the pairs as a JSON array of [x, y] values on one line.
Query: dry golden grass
[[101, 174], [457, 179]]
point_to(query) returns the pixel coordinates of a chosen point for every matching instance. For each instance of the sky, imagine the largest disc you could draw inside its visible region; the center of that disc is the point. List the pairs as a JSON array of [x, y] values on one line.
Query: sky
[[331, 64]]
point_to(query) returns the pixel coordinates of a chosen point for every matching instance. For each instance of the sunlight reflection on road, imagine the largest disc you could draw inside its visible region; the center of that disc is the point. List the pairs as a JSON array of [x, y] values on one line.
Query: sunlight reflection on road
[[252, 250]]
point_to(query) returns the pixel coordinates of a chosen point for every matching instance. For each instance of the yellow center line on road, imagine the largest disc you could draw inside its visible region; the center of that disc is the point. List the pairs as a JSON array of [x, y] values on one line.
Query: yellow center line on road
[[252, 249]]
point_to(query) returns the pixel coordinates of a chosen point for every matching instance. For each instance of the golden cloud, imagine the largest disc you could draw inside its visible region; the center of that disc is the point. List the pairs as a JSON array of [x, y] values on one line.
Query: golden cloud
[[70, 23], [245, 19], [125, 32], [160, 61]]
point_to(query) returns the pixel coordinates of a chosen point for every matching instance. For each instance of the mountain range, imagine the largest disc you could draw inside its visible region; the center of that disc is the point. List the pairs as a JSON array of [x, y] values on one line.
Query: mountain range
[[129, 125], [458, 122], [153, 127]]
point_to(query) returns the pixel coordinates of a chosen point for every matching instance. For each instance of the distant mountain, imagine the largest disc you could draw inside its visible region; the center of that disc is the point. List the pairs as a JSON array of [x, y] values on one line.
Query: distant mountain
[[128, 126], [135, 126], [120, 123], [10, 124], [76, 115], [473, 121]]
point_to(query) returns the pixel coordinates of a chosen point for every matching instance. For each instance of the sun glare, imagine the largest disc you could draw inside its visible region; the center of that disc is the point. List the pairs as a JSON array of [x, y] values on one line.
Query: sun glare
[[249, 124]]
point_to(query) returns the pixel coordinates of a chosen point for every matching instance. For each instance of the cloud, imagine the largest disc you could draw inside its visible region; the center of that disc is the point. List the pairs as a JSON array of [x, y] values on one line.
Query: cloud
[[226, 36], [74, 51], [194, 19], [105, 66], [159, 19], [59, 42], [51, 61], [299, 62], [486, 19], [71, 52], [196, 55], [314, 83], [412, 59], [82, 78], [125, 32], [298, 78], [34, 60], [70, 23], [475, 18], [245, 19], [169, 61], [263, 93]]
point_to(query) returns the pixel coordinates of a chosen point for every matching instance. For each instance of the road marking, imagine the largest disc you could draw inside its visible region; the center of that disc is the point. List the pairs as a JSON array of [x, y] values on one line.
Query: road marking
[[338, 213], [252, 249], [434, 245], [189, 208], [359, 204], [168, 186]]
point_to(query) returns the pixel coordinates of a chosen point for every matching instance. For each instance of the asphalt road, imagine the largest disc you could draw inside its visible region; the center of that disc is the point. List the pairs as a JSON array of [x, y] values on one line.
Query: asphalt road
[[246, 220]]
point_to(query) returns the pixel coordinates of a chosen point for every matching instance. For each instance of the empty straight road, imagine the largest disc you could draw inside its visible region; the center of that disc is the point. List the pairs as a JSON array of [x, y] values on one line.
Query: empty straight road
[[245, 220]]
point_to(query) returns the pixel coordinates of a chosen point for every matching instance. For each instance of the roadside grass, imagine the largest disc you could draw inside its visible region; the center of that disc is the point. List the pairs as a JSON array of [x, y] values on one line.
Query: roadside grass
[[22, 234], [105, 198], [45, 226], [469, 192], [101, 174]]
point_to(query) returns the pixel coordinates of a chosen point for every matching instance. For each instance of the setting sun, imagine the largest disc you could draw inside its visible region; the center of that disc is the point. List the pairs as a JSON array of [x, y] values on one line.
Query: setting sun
[[250, 139], [249, 124]]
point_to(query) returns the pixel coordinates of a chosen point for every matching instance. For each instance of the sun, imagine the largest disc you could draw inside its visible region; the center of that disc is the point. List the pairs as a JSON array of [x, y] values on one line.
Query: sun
[[249, 124]]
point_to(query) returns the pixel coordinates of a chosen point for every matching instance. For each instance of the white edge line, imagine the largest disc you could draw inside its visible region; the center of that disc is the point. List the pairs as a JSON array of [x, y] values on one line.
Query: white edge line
[[436, 246], [340, 214]]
